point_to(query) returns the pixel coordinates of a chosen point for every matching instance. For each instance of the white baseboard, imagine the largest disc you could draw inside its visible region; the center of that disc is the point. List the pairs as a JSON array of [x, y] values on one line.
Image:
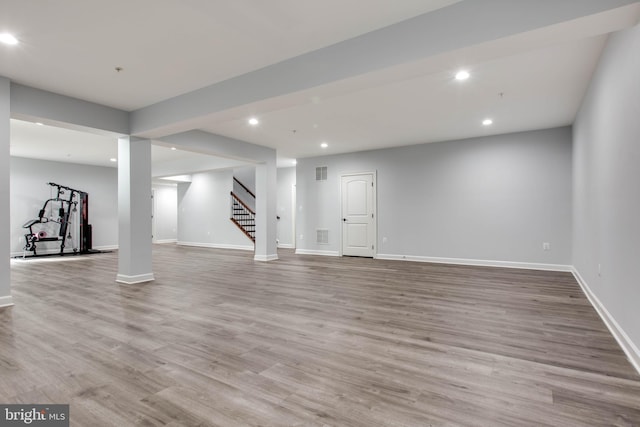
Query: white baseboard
[[57, 251], [68, 256], [628, 346], [265, 258], [6, 301], [477, 262], [106, 248], [315, 252], [286, 246], [41, 251], [131, 280], [217, 246], [164, 241]]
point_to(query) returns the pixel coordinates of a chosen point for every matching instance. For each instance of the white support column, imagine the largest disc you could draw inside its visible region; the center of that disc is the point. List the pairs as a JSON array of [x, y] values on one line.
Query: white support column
[[134, 210], [266, 210], [5, 228]]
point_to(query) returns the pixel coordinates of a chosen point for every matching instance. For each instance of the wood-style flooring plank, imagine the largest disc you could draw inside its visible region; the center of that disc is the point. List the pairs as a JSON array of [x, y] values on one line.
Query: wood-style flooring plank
[[221, 340]]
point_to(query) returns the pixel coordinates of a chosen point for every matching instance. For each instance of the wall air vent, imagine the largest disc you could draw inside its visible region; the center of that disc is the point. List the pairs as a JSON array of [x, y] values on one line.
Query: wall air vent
[[322, 237], [321, 173]]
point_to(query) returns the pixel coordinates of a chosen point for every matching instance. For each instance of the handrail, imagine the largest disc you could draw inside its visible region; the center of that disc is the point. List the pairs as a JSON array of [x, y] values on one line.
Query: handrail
[[242, 203], [245, 187], [246, 233]]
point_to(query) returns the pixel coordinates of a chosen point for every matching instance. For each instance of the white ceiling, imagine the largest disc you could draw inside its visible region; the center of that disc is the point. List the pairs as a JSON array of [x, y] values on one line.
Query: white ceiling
[[44, 142], [63, 145], [432, 107], [169, 47]]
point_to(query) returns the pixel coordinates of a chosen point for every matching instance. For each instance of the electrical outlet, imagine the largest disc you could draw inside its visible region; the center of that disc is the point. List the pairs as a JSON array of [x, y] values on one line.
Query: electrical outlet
[[384, 240], [599, 270], [546, 246], [302, 237]]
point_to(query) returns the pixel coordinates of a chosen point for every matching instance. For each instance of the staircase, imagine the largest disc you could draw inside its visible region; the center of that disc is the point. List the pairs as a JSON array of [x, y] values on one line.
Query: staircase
[[242, 215]]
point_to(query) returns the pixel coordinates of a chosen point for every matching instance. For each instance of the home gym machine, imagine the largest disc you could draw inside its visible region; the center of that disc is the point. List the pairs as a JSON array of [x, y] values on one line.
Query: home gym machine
[[61, 212]]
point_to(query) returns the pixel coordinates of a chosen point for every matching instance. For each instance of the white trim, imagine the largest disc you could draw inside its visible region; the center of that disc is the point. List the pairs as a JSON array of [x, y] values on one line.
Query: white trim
[[132, 280], [164, 241], [628, 346], [28, 253], [265, 258], [216, 246], [315, 252], [57, 251], [153, 213], [106, 248], [286, 246], [478, 262], [41, 251], [38, 259], [6, 301], [294, 198]]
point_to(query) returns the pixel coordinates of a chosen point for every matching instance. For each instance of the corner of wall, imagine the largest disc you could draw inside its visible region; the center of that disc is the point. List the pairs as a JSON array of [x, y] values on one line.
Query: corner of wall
[[628, 346]]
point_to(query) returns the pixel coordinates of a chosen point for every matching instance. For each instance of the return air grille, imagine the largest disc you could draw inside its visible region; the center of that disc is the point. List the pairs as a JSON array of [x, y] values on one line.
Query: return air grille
[[321, 173], [322, 236]]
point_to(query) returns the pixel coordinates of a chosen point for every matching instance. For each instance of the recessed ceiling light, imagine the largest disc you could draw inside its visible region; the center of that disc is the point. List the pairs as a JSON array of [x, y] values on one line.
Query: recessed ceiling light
[[173, 148], [324, 145], [487, 122], [462, 75], [253, 121], [113, 159], [7, 38], [39, 124]]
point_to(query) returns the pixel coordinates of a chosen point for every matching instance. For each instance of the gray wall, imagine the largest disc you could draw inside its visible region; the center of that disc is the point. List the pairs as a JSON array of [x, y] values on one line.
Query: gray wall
[[247, 176], [265, 182], [203, 207], [5, 199], [495, 198], [606, 182], [29, 190], [286, 182], [204, 211], [165, 213]]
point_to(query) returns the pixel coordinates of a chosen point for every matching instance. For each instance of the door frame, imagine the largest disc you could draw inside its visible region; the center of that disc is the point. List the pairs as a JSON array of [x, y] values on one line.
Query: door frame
[[153, 215], [374, 173], [294, 196]]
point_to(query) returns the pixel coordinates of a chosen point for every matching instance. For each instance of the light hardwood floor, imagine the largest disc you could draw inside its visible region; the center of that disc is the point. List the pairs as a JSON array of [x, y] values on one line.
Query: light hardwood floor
[[219, 339]]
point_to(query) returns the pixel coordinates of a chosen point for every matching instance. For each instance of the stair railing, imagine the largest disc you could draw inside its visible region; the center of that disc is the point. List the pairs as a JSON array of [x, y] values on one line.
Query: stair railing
[[244, 187], [243, 216]]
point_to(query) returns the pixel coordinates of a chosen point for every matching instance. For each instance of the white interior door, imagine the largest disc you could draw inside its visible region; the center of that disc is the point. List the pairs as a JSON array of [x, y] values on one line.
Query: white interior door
[[358, 215]]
